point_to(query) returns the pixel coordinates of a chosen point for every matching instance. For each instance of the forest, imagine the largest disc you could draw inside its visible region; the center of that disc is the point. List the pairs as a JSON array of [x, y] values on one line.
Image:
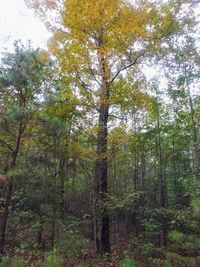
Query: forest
[[99, 137]]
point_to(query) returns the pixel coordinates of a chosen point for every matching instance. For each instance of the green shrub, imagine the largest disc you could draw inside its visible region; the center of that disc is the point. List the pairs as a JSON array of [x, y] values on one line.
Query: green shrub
[[147, 249], [191, 246], [72, 244], [127, 262], [166, 263], [176, 236], [179, 260], [6, 262], [196, 207], [17, 263], [53, 259]]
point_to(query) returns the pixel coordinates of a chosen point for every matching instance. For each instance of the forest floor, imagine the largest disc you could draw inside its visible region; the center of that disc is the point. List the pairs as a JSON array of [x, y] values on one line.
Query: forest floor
[[74, 248]]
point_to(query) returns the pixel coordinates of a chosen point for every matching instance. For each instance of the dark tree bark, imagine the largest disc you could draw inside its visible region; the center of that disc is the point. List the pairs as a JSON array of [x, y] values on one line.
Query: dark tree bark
[[101, 172], [62, 164], [102, 221]]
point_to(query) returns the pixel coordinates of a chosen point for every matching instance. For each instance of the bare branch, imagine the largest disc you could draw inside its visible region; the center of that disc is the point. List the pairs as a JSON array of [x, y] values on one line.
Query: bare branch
[[126, 67], [116, 117]]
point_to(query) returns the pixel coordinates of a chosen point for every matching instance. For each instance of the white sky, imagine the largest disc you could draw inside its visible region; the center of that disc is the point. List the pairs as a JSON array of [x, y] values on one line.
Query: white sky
[[19, 22]]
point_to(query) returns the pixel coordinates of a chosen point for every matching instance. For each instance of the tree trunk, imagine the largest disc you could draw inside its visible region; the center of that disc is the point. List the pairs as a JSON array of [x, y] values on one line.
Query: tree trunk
[[101, 171], [62, 188], [10, 188], [102, 221], [162, 181], [5, 216], [195, 142]]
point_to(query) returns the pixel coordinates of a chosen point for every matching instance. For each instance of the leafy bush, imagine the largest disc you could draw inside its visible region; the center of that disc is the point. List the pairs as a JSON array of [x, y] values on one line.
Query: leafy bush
[[147, 249], [178, 260], [53, 259], [17, 263], [150, 224], [196, 207], [6, 262], [190, 246], [69, 241], [75, 244], [176, 236], [127, 261]]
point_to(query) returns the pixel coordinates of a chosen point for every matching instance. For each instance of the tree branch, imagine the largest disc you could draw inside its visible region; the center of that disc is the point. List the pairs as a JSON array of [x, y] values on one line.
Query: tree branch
[[126, 67], [116, 117], [7, 145]]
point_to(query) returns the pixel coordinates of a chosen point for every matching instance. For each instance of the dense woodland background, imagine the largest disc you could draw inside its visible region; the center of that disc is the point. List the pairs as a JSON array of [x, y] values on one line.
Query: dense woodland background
[[99, 137]]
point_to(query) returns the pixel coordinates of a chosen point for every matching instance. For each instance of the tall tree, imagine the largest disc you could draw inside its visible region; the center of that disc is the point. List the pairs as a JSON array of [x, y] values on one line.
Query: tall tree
[[21, 77], [96, 42]]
